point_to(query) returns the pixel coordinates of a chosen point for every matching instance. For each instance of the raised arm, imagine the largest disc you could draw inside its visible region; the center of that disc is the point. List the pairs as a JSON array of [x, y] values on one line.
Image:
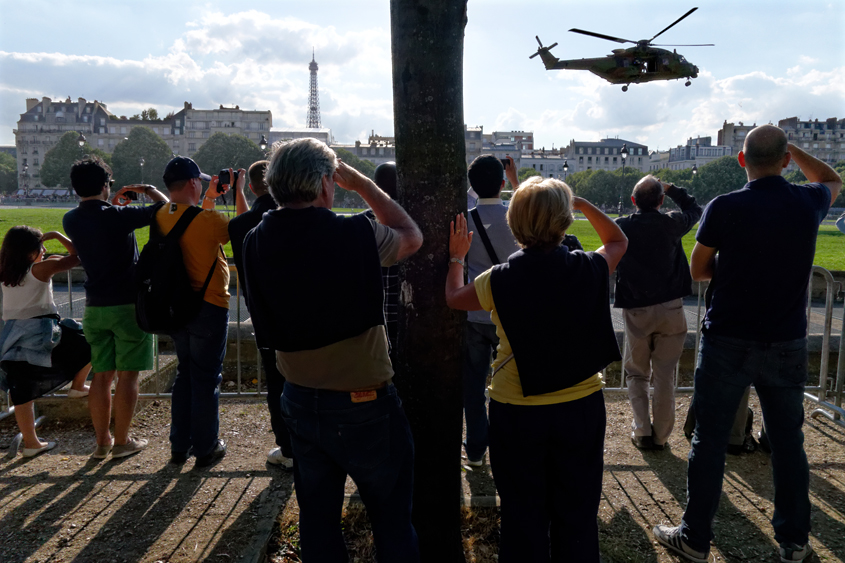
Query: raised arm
[[46, 269], [614, 241], [816, 171], [459, 296], [690, 210], [387, 211], [147, 189]]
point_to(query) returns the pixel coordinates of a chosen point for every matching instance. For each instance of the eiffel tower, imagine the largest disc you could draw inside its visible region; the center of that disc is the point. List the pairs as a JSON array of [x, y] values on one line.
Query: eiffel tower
[[313, 119]]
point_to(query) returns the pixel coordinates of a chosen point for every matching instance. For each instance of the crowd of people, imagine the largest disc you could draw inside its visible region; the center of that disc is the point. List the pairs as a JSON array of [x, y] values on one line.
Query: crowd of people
[[539, 319]]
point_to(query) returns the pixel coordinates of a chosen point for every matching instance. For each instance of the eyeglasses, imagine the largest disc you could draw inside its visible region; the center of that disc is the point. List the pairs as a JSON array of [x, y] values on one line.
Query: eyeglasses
[[111, 182]]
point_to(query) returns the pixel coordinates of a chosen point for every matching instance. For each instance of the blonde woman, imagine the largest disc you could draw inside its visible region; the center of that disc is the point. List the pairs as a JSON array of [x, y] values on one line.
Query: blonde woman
[[551, 309]]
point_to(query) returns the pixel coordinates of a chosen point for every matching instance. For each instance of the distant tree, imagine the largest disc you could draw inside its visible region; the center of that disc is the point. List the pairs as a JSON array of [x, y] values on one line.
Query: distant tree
[[55, 171], [141, 143], [149, 114], [227, 151], [8, 173], [136, 116], [721, 176], [524, 173]]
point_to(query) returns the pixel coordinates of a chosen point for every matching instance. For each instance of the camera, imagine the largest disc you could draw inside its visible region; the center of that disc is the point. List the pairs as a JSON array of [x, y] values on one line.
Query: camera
[[129, 194], [505, 163], [223, 178]]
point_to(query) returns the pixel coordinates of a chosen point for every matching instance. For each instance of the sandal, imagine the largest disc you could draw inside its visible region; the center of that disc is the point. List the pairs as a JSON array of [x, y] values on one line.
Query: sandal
[[32, 452]]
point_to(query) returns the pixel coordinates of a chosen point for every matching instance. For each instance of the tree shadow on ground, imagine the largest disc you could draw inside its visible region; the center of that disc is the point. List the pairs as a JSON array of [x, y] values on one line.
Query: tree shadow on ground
[[622, 540], [258, 519], [733, 531], [30, 533], [150, 511]]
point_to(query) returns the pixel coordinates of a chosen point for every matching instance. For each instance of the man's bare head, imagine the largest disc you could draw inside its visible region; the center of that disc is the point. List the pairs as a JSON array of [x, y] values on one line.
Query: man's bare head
[[765, 148], [648, 193]]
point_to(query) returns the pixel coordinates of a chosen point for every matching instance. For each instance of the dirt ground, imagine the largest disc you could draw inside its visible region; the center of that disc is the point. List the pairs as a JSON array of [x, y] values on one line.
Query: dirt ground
[[642, 489], [65, 506]]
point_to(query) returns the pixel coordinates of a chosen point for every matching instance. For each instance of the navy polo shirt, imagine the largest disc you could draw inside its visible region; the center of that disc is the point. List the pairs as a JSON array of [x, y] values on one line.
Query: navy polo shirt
[[104, 237], [765, 234], [244, 223]]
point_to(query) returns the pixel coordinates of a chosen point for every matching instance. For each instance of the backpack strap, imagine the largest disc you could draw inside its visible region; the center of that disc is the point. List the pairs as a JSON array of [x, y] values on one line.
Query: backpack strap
[[484, 238], [179, 229], [211, 271]]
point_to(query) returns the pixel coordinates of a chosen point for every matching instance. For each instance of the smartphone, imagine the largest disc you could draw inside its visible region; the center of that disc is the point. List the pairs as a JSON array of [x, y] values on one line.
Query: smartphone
[[505, 162]]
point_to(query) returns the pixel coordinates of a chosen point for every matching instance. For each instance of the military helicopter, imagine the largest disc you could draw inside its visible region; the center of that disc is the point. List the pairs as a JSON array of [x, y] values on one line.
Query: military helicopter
[[643, 63]]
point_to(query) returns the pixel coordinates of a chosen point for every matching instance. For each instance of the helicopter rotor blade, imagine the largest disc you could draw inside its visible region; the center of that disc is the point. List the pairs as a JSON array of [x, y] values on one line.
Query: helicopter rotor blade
[[673, 24], [540, 43], [600, 36], [696, 45]]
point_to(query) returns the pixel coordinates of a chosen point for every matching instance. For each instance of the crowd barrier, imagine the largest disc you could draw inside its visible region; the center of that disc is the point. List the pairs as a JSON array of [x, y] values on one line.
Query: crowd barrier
[[826, 394]]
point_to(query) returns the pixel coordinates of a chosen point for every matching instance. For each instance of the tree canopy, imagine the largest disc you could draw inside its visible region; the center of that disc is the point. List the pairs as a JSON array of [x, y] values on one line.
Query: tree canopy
[[8, 173], [55, 171], [141, 143], [227, 151]]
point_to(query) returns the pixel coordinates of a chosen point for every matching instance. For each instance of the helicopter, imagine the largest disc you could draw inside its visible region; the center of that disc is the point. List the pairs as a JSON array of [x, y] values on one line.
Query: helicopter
[[642, 63]]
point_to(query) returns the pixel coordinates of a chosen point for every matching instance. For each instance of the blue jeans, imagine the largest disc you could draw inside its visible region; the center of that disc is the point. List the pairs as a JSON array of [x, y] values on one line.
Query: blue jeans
[[547, 461], [778, 371], [200, 348], [481, 343], [332, 437]]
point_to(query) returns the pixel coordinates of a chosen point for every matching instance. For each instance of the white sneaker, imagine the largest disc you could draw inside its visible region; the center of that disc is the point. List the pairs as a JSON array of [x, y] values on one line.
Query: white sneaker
[[671, 538], [791, 552], [275, 457]]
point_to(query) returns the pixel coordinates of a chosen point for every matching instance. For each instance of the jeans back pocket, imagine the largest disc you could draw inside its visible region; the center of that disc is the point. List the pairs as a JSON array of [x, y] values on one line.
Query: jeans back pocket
[[366, 444]]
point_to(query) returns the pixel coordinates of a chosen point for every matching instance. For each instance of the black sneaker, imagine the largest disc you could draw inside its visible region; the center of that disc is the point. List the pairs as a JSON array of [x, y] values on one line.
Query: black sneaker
[[216, 454], [642, 442], [178, 458]]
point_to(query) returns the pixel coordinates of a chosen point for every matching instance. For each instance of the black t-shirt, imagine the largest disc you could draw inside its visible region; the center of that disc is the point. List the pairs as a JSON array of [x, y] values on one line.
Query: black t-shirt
[[104, 237], [765, 235], [244, 223]]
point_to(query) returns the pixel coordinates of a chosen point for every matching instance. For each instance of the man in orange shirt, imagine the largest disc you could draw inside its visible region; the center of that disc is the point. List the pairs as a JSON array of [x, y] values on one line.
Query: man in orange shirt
[[201, 344]]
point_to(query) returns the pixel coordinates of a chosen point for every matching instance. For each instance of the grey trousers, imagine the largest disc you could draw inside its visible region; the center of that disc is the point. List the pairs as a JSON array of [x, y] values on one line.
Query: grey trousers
[[738, 428], [655, 340]]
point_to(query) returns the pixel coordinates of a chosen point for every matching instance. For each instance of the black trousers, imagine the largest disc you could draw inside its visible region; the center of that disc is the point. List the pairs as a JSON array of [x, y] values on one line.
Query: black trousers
[[275, 386], [547, 461]]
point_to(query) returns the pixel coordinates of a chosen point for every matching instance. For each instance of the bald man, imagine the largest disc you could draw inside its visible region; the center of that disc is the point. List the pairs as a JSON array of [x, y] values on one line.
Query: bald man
[[755, 333]]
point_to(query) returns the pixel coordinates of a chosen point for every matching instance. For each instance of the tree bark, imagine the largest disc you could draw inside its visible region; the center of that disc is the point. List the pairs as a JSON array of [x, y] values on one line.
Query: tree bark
[[427, 45]]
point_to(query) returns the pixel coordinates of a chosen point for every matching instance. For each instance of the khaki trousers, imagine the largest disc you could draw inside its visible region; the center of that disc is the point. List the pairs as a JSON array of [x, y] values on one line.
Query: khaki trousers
[[655, 340]]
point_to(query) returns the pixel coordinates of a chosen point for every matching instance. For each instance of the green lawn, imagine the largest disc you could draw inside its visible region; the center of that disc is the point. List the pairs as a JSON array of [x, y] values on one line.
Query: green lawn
[[830, 247]]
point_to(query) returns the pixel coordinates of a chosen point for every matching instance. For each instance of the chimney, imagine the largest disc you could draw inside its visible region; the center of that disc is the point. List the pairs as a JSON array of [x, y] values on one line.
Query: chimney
[[80, 109], [31, 103], [45, 105]]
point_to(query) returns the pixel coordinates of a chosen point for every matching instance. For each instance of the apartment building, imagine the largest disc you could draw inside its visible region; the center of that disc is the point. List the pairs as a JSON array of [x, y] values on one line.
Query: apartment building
[[606, 155], [45, 121]]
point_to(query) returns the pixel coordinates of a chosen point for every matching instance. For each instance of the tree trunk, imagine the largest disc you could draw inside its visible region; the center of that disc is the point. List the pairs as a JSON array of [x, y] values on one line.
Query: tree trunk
[[427, 45]]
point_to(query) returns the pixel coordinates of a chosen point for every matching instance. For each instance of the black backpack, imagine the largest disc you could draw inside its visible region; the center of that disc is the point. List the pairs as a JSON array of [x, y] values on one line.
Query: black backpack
[[166, 302]]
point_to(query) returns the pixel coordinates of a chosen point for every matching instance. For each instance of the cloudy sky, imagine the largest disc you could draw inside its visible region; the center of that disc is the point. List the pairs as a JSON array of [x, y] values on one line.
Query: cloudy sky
[[773, 59]]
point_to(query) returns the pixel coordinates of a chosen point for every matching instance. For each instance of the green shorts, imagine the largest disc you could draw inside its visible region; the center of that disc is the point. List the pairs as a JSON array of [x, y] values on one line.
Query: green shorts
[[117, 343]]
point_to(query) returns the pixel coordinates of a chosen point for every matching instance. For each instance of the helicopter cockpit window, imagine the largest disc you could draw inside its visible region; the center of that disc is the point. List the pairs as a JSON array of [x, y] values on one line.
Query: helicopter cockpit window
[[665, 61], [682, 59]]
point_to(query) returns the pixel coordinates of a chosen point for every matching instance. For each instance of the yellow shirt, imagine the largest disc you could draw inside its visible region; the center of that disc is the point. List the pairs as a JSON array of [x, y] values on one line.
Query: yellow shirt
[[506, 386], [201, 248]]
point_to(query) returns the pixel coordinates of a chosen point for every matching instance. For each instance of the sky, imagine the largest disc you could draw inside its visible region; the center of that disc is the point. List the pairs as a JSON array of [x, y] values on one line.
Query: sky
[[772, 59]]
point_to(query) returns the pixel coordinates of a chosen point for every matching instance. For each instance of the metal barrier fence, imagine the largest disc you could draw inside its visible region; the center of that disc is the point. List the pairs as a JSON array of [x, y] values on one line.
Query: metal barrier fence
[[828, 399]]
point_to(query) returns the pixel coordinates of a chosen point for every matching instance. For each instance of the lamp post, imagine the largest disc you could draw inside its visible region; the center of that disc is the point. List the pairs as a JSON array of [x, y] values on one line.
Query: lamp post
[[141, 164], [81, 141], [262, 144], [624, 153], [565, 170], [694, 169], [25, 175]]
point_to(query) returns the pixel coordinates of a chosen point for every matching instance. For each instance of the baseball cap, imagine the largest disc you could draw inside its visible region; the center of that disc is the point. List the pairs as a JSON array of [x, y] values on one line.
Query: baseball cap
[[183, 168]]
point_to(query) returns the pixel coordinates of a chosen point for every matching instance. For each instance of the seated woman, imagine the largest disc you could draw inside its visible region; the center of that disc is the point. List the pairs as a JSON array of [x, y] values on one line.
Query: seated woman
[[38, 353], [551, 309]]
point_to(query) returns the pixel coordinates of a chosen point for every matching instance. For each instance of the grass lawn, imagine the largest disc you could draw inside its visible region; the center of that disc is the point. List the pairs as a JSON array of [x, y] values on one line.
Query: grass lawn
[[830, 245]]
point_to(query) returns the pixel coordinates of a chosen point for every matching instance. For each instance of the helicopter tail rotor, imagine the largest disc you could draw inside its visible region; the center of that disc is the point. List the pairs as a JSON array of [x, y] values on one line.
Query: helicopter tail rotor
[[541, 50]]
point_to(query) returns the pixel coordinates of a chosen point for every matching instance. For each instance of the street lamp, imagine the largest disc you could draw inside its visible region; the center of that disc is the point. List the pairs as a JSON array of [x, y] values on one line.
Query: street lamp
[[141, 163], [81, 141], [694, 169], [624, 153], [262, 144], [25, 175], [565, 170]]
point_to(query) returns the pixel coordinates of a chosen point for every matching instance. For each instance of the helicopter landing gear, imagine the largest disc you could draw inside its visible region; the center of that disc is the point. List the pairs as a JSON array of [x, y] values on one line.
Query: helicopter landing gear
[[625, 88], [687, 83]]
